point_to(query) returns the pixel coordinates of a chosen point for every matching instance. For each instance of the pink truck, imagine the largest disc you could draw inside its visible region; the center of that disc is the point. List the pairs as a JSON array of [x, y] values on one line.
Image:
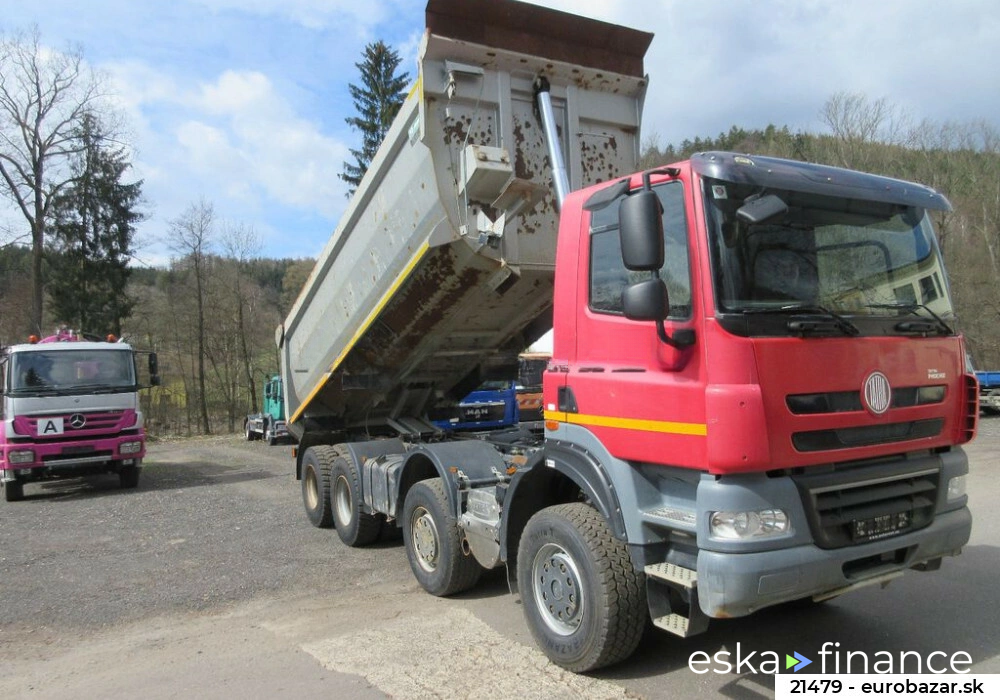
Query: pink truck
[[70, 408]]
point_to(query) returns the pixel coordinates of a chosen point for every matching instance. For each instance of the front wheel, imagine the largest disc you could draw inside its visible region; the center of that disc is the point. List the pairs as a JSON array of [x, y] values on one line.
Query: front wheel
[[128, 476], [433, 541], [13, 491], [247, 432], [584, 602], [269, 435]]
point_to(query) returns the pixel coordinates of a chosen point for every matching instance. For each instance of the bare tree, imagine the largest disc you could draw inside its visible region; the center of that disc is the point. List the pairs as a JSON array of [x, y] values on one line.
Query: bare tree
[[857, 123], [44, 96], [242, 243], [191, 238]]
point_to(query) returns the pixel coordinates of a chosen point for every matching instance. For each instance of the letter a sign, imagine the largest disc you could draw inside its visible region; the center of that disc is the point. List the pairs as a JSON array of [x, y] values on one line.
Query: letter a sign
[[50, 426]]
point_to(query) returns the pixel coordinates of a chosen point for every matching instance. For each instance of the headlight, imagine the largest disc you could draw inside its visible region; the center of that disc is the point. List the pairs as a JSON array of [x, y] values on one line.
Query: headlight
[[956, 487], [21, 456], [748, 524], [130, 448]]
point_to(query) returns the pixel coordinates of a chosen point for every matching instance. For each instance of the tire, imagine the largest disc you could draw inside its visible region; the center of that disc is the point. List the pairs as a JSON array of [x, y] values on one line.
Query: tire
[[354, 526], [13, 491], [583, 600], [269, 434], [247, 431], [316, 465], [433, 541], [128, 477]]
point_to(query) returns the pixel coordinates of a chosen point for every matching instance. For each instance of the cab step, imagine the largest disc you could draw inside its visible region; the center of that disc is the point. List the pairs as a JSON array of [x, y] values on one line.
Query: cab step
[[676, 624], [673, 574]]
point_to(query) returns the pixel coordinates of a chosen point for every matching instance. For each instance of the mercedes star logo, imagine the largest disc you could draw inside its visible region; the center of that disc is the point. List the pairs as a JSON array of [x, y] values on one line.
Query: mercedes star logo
[[77, 420]]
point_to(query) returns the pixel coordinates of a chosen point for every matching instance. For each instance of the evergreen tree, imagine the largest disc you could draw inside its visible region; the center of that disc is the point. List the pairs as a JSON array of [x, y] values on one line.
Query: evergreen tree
[[93, 223], [377, 101]]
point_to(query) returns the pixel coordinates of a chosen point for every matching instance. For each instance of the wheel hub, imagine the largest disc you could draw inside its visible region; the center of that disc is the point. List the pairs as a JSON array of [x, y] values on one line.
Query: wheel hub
[[558, 589], [312, 490], [342, 501], [424, 536]]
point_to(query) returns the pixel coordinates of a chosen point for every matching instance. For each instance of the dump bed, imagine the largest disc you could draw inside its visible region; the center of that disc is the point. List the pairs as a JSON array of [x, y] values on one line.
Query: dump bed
[[441, 270]]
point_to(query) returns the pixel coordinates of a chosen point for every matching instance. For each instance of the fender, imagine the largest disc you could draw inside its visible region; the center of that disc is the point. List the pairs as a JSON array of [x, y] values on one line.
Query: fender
[[529, 492], [476, 459]]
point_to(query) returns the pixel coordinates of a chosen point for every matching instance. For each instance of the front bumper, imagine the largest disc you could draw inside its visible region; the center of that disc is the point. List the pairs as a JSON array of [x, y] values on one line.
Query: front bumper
[[733, 585], [70, 457]]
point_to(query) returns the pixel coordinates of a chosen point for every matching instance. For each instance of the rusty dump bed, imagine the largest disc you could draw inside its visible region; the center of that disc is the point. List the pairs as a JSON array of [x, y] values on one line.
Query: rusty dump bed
[[441, 269]]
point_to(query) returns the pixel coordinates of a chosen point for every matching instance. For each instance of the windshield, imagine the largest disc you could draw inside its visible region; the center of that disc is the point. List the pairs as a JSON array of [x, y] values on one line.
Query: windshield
[[60, 371], [846, 256]]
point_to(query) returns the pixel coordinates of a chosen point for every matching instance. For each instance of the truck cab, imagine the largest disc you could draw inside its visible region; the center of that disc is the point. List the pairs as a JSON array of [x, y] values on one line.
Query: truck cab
[[70, 408]]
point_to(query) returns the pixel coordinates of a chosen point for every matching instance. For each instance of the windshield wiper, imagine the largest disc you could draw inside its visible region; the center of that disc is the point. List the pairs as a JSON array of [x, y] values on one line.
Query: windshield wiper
[[923, 326], [833, 320]]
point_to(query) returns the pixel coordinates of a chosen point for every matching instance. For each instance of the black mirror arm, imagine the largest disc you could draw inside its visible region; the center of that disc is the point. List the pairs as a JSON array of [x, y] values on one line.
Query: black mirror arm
[[682, 338]]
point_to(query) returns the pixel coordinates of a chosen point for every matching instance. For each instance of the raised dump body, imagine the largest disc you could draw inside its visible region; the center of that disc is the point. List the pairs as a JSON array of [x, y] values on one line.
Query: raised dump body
[[441, 270]]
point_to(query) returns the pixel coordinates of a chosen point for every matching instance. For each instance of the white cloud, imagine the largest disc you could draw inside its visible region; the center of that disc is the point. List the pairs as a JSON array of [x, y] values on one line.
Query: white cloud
[[311, 14]]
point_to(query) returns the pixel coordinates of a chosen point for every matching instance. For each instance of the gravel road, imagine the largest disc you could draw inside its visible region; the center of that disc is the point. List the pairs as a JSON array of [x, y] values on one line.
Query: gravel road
[[208, 581]]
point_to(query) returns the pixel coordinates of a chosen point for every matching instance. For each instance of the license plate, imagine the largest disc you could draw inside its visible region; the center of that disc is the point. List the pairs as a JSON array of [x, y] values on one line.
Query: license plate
[[880, 526]]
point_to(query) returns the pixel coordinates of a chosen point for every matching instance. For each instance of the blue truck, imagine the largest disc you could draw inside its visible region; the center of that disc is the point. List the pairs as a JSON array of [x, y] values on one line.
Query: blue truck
[[989, 391], [269, 424]]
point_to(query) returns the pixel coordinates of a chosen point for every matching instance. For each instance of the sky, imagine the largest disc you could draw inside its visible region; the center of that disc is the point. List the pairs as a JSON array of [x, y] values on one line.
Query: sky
[[242, 103]]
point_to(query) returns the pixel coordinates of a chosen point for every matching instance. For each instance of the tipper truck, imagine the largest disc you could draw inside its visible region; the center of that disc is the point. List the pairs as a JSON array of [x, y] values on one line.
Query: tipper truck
[[70, 408], [739, 410]]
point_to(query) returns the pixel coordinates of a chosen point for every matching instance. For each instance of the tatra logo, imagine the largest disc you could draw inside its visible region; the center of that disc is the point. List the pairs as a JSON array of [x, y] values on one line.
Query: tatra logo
[[77, 420], [877, 393]]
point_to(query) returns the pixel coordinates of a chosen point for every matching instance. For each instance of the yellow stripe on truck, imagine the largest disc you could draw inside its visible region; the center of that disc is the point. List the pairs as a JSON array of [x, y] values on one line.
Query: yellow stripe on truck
[[649, 426], [400, 279]]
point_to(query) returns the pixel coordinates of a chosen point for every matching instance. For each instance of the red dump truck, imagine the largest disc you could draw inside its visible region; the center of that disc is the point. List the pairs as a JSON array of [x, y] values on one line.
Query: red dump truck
[[740, 409]]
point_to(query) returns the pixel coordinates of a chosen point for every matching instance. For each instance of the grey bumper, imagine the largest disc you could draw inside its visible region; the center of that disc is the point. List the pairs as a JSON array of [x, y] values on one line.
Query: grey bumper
[[733, 585]]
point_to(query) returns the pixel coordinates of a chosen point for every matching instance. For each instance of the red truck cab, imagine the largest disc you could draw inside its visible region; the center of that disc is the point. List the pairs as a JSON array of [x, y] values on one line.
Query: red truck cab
[[770, 379]]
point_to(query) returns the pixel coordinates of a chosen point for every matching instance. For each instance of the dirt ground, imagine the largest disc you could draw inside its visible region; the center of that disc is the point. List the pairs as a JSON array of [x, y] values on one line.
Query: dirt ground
[[207, 581]]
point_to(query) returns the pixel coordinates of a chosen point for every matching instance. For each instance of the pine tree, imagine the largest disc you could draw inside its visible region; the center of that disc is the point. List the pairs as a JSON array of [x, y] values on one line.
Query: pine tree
[[93, 222], [377, 101]]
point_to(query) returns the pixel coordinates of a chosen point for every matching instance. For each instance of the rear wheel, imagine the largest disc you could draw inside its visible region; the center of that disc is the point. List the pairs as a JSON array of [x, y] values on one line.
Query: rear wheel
[[13, 491], [434, 543], [316, 465], [583, 599], [354, 526]]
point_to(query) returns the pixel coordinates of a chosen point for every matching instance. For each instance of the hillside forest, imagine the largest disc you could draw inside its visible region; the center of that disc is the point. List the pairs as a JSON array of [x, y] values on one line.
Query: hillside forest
[[212, 312]]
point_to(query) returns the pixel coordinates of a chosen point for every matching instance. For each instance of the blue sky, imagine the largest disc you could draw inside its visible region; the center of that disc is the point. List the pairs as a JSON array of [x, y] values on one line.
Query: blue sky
[[242, 102]]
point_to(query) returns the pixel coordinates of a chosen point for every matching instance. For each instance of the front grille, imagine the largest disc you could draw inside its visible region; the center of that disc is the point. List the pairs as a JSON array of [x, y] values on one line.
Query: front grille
[[849, 506], [482, 412], [847, 401], [95, 423], [864, 436]]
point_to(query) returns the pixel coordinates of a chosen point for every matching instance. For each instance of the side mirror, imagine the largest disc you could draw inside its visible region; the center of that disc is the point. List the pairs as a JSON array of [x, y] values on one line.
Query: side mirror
[[640, 221], [646, 301], [154, 370]]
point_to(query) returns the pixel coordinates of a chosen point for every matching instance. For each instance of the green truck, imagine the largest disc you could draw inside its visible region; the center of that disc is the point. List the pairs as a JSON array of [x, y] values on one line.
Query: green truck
[[269, 424]]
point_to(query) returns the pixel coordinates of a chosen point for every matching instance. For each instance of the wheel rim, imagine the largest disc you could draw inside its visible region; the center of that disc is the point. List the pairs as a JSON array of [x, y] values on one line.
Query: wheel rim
[[558, 590], [424, 536], [342, 501], [312, 490]]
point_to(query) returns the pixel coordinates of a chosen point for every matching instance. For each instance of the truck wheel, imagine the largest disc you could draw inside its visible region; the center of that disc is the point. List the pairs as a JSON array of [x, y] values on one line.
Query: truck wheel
[[583, 599], [13, 491], [269, 435], [316, 465], [128, 477], [354, 526], [247, 431], [433, 541]]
